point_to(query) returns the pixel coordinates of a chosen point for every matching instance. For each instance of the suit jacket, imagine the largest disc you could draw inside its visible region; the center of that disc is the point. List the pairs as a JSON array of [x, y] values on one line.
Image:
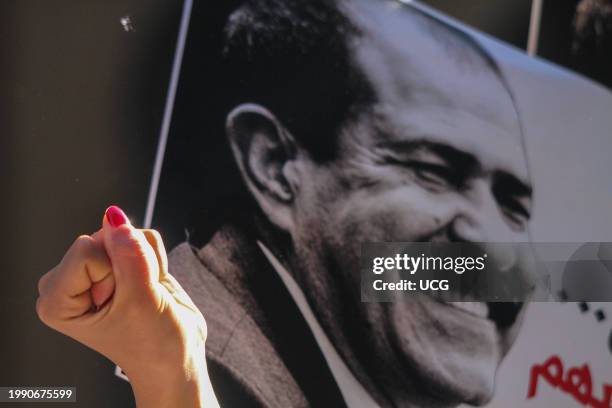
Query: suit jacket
[[260, 351]]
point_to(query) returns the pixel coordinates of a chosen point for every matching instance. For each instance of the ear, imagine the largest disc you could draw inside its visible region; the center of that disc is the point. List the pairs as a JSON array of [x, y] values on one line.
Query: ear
[[265, 153]]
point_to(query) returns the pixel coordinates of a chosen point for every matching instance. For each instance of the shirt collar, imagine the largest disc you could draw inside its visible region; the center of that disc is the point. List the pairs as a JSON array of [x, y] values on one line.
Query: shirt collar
[[354, 394]]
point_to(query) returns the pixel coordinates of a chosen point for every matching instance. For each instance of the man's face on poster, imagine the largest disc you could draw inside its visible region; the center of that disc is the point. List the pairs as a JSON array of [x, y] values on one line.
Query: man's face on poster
[[437, 156]]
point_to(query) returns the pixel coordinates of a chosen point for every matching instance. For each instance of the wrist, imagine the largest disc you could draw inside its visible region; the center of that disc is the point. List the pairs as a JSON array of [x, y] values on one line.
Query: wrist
[[187, 385]]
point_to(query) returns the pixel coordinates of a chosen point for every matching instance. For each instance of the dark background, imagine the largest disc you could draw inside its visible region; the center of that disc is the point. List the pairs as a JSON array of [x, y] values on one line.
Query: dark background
[[589, 54], [506, 20], [80, 112]]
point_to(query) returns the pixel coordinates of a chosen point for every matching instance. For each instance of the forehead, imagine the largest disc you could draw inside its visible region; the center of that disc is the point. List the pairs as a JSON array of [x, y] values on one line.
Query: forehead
[[430, 84]]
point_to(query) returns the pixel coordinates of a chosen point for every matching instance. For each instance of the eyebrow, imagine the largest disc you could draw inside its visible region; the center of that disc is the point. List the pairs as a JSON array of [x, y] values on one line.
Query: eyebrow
[[512, 185], [453, 156], [465, 162], [449, 154]]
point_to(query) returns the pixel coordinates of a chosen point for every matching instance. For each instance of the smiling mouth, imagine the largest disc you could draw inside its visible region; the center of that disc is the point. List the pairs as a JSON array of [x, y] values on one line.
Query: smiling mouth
[[503, 314]]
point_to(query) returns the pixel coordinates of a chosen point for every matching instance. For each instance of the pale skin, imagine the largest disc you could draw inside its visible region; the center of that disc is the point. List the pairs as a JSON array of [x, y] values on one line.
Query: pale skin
[[112, 292]]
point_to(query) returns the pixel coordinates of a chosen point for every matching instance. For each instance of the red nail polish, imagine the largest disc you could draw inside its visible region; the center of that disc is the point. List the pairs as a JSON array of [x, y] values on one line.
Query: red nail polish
[[115, 216]]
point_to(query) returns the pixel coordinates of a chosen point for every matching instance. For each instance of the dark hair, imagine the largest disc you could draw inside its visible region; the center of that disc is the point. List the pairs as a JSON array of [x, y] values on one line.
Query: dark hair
[[293, 57]]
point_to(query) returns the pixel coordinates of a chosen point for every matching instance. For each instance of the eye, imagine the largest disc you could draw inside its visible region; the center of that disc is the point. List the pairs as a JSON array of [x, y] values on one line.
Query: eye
[[515, 211], [436, 176], [514, 199]]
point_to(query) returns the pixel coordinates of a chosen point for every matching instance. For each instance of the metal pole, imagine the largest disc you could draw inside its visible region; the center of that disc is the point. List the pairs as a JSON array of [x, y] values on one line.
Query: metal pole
[[165, 128], [534, 27]]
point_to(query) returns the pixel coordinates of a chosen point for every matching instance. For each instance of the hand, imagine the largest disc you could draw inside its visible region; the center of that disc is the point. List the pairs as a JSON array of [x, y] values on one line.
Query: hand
[[113, 293]]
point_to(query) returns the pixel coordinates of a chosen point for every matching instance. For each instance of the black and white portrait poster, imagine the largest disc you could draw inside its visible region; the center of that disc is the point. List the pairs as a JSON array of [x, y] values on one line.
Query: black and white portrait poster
[[301, 130], [293, 132]]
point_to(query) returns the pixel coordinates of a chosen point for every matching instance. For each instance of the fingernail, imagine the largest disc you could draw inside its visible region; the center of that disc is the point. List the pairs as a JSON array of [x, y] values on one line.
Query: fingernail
[[115, 216]]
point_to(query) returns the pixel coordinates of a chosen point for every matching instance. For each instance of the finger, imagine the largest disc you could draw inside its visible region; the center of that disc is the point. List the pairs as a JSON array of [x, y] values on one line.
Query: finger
[[98, 236], [85, 263], [102, 291], [65, 290], [76, 306], [133, 260], [156, 242], [167, 280], [43, 282]]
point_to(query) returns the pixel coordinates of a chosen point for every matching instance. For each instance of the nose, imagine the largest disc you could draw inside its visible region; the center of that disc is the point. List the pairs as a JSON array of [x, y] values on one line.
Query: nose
[[480, 221]]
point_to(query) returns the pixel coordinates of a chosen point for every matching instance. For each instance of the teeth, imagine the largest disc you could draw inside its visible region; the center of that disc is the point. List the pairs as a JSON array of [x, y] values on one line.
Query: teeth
[[479, 309]]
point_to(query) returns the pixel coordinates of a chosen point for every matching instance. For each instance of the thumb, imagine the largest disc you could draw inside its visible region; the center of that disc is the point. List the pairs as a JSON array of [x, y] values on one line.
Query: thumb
[[133, 260]]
